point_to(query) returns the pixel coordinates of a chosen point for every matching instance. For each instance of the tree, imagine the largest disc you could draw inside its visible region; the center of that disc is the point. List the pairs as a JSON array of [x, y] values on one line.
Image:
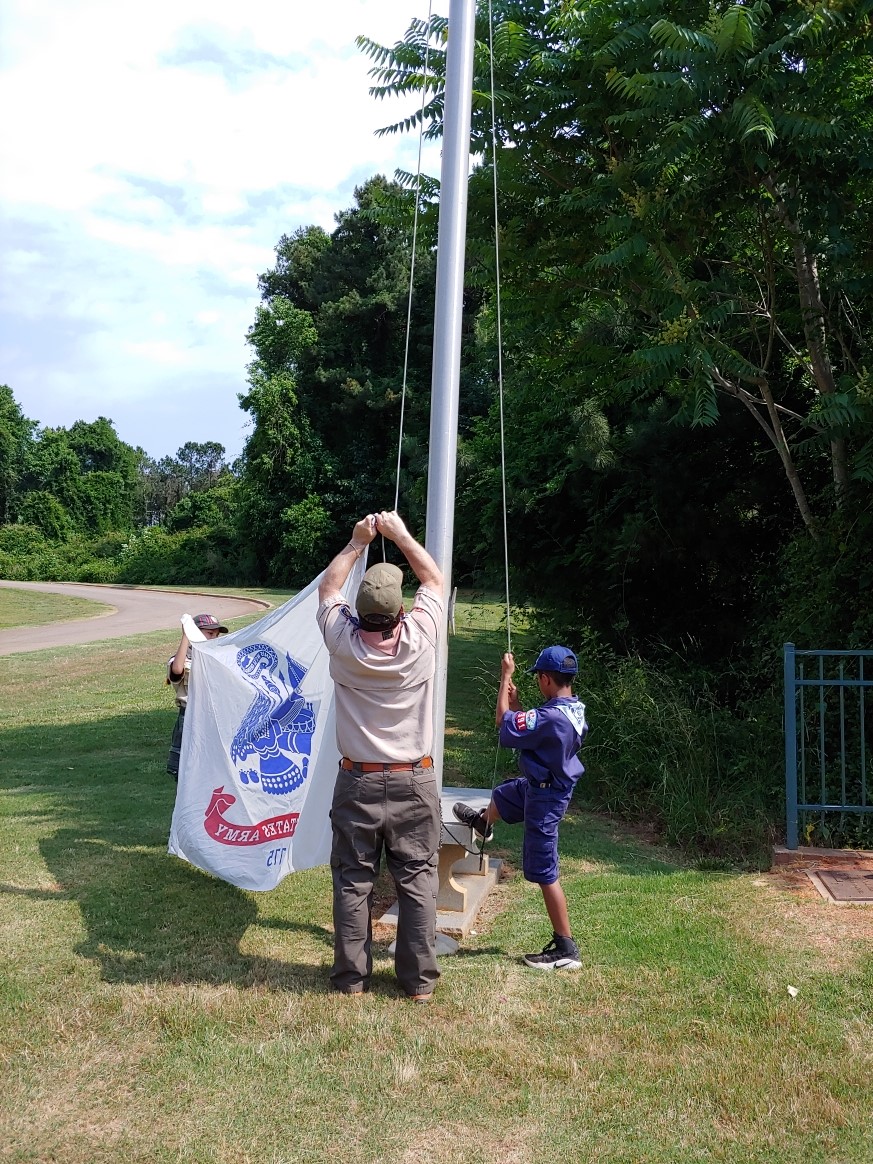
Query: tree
[[90, 472], [330, 341], [283, 458], [165, 483], [355, 287], [205, 507], [16, 437], [683, 198], [201, 464], [682, 191]]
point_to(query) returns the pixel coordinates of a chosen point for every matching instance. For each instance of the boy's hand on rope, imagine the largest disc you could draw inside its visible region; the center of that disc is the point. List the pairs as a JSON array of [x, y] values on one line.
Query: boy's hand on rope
[[507, 693], [507, 669]]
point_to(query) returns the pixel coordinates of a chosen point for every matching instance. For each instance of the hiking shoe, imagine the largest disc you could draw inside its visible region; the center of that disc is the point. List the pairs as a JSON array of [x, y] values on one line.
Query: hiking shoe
[[473, 820], [559, 954]]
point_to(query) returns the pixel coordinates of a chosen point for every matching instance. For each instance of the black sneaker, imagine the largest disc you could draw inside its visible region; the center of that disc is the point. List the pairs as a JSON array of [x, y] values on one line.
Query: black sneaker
[[559, 954], [473, 820]]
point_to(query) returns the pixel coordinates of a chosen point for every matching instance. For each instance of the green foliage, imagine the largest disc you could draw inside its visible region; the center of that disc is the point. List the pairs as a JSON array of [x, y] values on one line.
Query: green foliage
[[205, 507], [680, 196], [820, 596], [196, 468], [280, 335], [110, 545], [664, 749], [16, 436], [154, 557], [21, 540], [44, 512], [26, 554], [665, 752], [283, 459], [304, 546], [91, 472], [75, 496], [837, 830]]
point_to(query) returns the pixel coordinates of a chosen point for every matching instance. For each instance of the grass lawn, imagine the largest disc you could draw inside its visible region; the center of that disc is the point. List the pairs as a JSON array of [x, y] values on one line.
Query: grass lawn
[[149, 1012], [35, 608]]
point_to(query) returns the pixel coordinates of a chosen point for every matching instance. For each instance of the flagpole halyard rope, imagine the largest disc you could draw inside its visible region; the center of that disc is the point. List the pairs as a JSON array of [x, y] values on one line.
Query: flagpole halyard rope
[[499, 322], [424, 86], [499, 325]]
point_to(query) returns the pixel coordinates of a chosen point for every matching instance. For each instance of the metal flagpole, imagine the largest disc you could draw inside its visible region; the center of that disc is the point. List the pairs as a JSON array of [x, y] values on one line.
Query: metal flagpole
[[445, 375]]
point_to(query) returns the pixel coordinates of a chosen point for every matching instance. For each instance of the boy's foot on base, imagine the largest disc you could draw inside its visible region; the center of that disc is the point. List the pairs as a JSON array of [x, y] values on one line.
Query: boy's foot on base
[[473, 820], [559, 954]]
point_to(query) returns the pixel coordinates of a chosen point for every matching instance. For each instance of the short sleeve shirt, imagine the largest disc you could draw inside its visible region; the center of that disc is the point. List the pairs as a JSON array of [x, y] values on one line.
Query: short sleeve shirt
[[180, 686], [547, 739], [383, 685]]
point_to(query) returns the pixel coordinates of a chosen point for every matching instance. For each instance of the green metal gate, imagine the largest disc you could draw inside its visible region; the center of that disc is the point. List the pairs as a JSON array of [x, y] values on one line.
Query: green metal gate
[[828, 734]]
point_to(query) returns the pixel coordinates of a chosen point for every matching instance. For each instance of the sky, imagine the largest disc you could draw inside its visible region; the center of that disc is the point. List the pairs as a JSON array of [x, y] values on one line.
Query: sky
[[151, 156]]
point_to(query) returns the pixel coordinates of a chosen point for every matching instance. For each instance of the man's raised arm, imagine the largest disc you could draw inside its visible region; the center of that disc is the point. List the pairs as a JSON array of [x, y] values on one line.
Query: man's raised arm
[[390, 525], [339, 569]]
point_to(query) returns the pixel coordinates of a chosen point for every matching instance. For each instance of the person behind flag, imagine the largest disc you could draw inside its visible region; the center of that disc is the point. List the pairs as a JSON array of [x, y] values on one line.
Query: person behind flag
[[547, 739], [386, 798], [179, 675]]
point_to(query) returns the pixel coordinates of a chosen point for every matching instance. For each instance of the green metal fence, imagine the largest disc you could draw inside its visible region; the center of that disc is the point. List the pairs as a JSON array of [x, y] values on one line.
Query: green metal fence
[[828, 735]]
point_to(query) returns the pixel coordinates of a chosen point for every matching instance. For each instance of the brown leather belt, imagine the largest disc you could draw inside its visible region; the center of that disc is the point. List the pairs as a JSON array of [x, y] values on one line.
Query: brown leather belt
[[351, 766]]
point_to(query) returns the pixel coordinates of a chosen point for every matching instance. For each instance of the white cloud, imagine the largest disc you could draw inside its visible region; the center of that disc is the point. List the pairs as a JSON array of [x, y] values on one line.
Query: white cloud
[[156, 155]]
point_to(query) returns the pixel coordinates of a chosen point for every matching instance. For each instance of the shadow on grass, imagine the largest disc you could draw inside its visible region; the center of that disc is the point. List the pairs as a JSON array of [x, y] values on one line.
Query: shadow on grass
[[98, 806], [587, 836], [591, 838]]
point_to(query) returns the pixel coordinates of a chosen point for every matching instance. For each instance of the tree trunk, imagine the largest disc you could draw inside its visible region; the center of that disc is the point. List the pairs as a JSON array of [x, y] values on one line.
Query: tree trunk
[[772, 426], [814, 330]]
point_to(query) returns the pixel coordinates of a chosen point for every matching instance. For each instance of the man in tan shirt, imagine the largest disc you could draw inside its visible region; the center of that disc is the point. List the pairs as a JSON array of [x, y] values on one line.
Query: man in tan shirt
[[383, 664]]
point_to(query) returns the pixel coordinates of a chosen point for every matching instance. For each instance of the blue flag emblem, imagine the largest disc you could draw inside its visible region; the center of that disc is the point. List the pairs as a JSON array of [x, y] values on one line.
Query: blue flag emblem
[[273, 744]]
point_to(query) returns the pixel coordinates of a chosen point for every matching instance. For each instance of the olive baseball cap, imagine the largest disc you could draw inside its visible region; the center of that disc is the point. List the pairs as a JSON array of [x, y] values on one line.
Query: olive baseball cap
[[380, 592]]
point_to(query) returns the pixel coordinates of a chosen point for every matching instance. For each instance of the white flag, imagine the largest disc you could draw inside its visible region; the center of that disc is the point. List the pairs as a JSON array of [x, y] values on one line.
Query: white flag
[[259, 756]]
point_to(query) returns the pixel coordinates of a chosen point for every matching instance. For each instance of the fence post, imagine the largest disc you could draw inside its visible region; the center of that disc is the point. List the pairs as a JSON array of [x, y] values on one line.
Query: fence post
[[790, 727]]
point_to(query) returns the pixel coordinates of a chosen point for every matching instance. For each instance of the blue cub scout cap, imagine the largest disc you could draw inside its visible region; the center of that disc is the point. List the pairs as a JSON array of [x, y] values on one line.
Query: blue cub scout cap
[[560, 659]]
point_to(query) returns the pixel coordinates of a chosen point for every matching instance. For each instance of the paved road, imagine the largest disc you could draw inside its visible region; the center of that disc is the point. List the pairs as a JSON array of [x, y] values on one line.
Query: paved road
[[134, 611]]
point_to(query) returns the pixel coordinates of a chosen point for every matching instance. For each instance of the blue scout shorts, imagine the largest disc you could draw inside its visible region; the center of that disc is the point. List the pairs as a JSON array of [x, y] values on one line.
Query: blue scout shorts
[[541, 810]]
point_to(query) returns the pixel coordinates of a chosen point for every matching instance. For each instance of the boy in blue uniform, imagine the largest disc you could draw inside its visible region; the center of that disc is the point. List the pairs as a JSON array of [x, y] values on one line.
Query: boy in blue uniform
[[547, 740]]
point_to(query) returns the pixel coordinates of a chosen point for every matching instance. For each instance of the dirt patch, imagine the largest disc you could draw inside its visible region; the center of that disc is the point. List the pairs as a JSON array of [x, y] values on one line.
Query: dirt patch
[[451, 1144], [801, 917]]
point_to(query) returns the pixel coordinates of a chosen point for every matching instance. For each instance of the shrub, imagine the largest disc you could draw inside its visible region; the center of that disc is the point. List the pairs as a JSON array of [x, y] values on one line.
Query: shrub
[[110, 545], [203, 556], [97, 570], [21, 540], [663, 748]]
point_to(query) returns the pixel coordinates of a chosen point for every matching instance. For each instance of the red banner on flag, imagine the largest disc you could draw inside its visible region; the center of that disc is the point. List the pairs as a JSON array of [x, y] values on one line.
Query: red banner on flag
[[227, 833]]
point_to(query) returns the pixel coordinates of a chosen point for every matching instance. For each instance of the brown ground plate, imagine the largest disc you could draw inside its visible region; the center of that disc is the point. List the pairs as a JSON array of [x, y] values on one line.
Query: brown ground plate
[[848, 885]]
